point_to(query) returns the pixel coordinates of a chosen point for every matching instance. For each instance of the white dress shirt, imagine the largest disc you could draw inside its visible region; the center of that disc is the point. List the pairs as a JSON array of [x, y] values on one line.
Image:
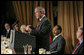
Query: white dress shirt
[[56, 36], [8, 30]]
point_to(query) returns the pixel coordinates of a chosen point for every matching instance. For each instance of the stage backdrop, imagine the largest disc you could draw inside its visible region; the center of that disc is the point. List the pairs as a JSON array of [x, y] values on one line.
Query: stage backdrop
[[70, 17], [24, 11]]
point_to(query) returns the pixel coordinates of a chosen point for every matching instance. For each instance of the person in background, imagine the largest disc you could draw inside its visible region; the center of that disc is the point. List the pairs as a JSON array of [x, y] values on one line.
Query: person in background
[[57, 45], [23, 28], [15, 27], [7, 30], [79, 47]]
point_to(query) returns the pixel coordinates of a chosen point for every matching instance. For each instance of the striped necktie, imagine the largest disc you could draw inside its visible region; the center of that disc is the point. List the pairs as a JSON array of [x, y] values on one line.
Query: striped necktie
[[38, 23], [75, 48]]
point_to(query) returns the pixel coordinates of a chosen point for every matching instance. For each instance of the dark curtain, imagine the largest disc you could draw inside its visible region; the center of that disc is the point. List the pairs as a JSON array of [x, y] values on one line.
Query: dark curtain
[[70, 17]]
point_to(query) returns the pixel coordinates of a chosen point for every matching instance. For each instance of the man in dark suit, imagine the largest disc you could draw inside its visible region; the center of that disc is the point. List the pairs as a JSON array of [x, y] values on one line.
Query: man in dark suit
[[57, 45], [79, 47], [42, 29], [7, 30]]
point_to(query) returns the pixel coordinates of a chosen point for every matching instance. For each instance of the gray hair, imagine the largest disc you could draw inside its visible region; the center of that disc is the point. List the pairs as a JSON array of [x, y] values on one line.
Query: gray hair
[[81, 28], [41, 9]]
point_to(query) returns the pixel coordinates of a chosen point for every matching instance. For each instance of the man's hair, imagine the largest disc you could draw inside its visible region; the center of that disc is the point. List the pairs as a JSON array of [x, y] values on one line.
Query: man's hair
[[81, 28], [7, 23], [41, 9], [59, 28]]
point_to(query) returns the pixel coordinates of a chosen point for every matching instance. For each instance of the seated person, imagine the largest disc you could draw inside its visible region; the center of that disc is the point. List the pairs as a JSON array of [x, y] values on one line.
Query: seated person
[[23, 28], [7, 30], [15, 27], [79, 47], [57, 45]]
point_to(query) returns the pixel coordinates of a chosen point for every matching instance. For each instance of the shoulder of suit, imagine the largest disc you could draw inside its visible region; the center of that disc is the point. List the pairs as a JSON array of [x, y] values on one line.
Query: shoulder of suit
[[46, 19], [81, 44], [61, 37]]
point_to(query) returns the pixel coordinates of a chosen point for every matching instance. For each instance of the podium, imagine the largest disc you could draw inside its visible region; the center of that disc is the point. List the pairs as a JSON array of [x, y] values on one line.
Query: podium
[[23, 39]]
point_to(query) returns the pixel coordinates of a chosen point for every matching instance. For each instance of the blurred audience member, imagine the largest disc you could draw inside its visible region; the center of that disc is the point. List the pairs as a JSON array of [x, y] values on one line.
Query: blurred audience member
[[7, 30], [79, 47], [23, 28], [15, 27]]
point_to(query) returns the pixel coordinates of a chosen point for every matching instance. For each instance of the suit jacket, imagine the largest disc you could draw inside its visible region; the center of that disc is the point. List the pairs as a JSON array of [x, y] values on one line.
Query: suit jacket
[[6, 34], [79, 49], [42, 33], [58, 45]]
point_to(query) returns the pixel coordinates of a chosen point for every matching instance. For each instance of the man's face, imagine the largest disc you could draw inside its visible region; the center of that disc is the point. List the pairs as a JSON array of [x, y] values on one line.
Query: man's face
[[7, 26], [37, 13], [79, 33], [55, 31]]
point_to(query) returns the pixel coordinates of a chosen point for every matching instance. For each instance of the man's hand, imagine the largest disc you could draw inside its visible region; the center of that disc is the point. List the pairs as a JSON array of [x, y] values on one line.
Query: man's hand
[[28, 28]]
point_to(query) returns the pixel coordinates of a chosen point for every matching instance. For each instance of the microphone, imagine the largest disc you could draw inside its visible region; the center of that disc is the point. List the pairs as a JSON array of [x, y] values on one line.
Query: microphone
[[16, 22]]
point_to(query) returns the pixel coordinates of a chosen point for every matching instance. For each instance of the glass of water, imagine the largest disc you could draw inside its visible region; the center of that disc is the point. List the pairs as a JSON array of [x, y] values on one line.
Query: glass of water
[[25, 49]]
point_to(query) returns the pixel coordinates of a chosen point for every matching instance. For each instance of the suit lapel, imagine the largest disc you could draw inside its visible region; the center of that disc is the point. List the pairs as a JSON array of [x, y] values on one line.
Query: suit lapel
[[55, 41], [57, 37], [79, 48], [40, 23]]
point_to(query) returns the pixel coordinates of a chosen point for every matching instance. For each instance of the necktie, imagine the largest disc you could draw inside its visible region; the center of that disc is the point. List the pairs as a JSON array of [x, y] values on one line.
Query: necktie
[[50, 39], [38, 23], [75, 48]]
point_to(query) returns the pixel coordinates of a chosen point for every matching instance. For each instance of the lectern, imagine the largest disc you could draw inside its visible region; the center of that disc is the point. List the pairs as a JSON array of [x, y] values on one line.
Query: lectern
[[23, 39]]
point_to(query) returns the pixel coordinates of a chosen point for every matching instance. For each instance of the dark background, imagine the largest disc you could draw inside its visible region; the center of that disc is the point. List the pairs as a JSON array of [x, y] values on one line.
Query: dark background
[[8, 15]]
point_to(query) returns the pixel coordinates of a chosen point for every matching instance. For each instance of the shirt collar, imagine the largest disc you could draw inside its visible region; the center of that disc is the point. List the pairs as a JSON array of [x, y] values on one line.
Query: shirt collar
[[56, 36], [42, 17], [8, 30], [80, 41]]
